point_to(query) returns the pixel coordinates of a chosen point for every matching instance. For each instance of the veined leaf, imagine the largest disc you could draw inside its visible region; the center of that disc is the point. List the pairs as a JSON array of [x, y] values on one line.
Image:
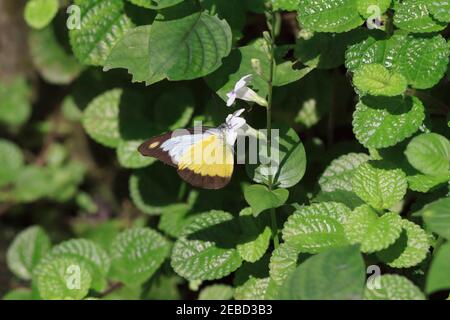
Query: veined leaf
[[155, 4], [414, 16], [393, 287], [429, 153], [329, 15], [437, 216], [381, 122], [288, 5], [439, 9], [103, 23], [366, 8], [374, 233], [282, 263], [187, 46], [253, 289], [260, 198], [376, 80], [216, 292], [26, 251], [381, 188], [206, 250], [438, 277], [136, 254], [317, 227]]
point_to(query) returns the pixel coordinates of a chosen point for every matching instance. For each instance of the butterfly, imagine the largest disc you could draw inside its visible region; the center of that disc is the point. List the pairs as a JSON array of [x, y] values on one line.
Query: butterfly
[[203, 156]]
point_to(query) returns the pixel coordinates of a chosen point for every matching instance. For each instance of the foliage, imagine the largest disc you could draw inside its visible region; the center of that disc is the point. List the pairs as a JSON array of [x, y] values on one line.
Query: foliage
[[361, 178]]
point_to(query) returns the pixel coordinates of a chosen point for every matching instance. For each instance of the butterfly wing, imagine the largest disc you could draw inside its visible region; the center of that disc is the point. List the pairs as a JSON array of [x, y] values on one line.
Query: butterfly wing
[[202, 159]]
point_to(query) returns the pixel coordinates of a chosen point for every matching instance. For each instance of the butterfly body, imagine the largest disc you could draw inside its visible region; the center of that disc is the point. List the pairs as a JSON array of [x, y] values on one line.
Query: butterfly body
[[203, 156]]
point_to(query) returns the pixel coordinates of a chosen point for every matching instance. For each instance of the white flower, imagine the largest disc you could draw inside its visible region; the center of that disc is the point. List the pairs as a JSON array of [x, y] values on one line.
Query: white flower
[[243, 92], [234, 123]]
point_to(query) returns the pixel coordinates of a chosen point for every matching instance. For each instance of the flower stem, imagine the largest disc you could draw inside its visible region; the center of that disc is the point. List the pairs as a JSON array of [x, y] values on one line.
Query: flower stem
[[271, 24]]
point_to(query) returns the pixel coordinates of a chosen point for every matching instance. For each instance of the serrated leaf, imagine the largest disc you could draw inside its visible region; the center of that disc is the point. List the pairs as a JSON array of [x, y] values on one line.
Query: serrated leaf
[[15, 109], [336, 274], [409, 250], [372, 232], [317, 227], [216, 292], [11, 162], [413, 16], [287, 164], [393, 287], [439, 9], [155, 4], [381, 122], [424, 183], [366, 8], [282, 263], [376, 80], [329, 16], [421, 60], [131, 53], [252, 289], [136, 254], [101, 118], [381, 188], [206, 250], [39, 13], [94, 258], [438, 277], [348, 198], [429, 153], [326, 50], [255, 237], [187, 45], [62, 278], [103, 23], [260, 198], [50, 58], [338, 175], [437, 216], [25, 252]]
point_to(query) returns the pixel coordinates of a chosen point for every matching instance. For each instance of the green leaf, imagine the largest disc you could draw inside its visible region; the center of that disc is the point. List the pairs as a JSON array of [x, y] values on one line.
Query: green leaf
[[336, 274], [329, 16], [381, 122], [438, 277], [287, 72], [317, 227], [348, 198], [440, 9], [253, 289], [181, 102], [206, 250], [338, 175], [326, 50], [216, 292], [18, 294], [39, 13], [101, 118], [437, 216], [376, 80], [129, 156], [365, 9], [131, 53], [421, 60], [288, 163], [413, 16], [154, 188], [62, 278], [11, 162], [429, 153], [409, 250], [155, 4], [393, 287], [374, 233], [255, 237], [174, 218], [282, 263], [424, 183], [103, 23], [286, 5], [15, 109], [31, 184], [260, 198], [93, 257], [381, 188], [136, 254], [187, 45], [25, 252], [50, 58]]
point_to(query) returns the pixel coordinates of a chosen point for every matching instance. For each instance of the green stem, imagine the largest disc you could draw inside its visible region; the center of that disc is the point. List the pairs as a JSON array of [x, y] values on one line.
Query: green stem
[[272, 26]]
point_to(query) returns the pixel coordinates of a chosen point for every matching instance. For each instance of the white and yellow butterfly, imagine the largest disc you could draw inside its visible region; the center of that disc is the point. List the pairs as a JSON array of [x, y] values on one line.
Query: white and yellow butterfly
[[204, 157]]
